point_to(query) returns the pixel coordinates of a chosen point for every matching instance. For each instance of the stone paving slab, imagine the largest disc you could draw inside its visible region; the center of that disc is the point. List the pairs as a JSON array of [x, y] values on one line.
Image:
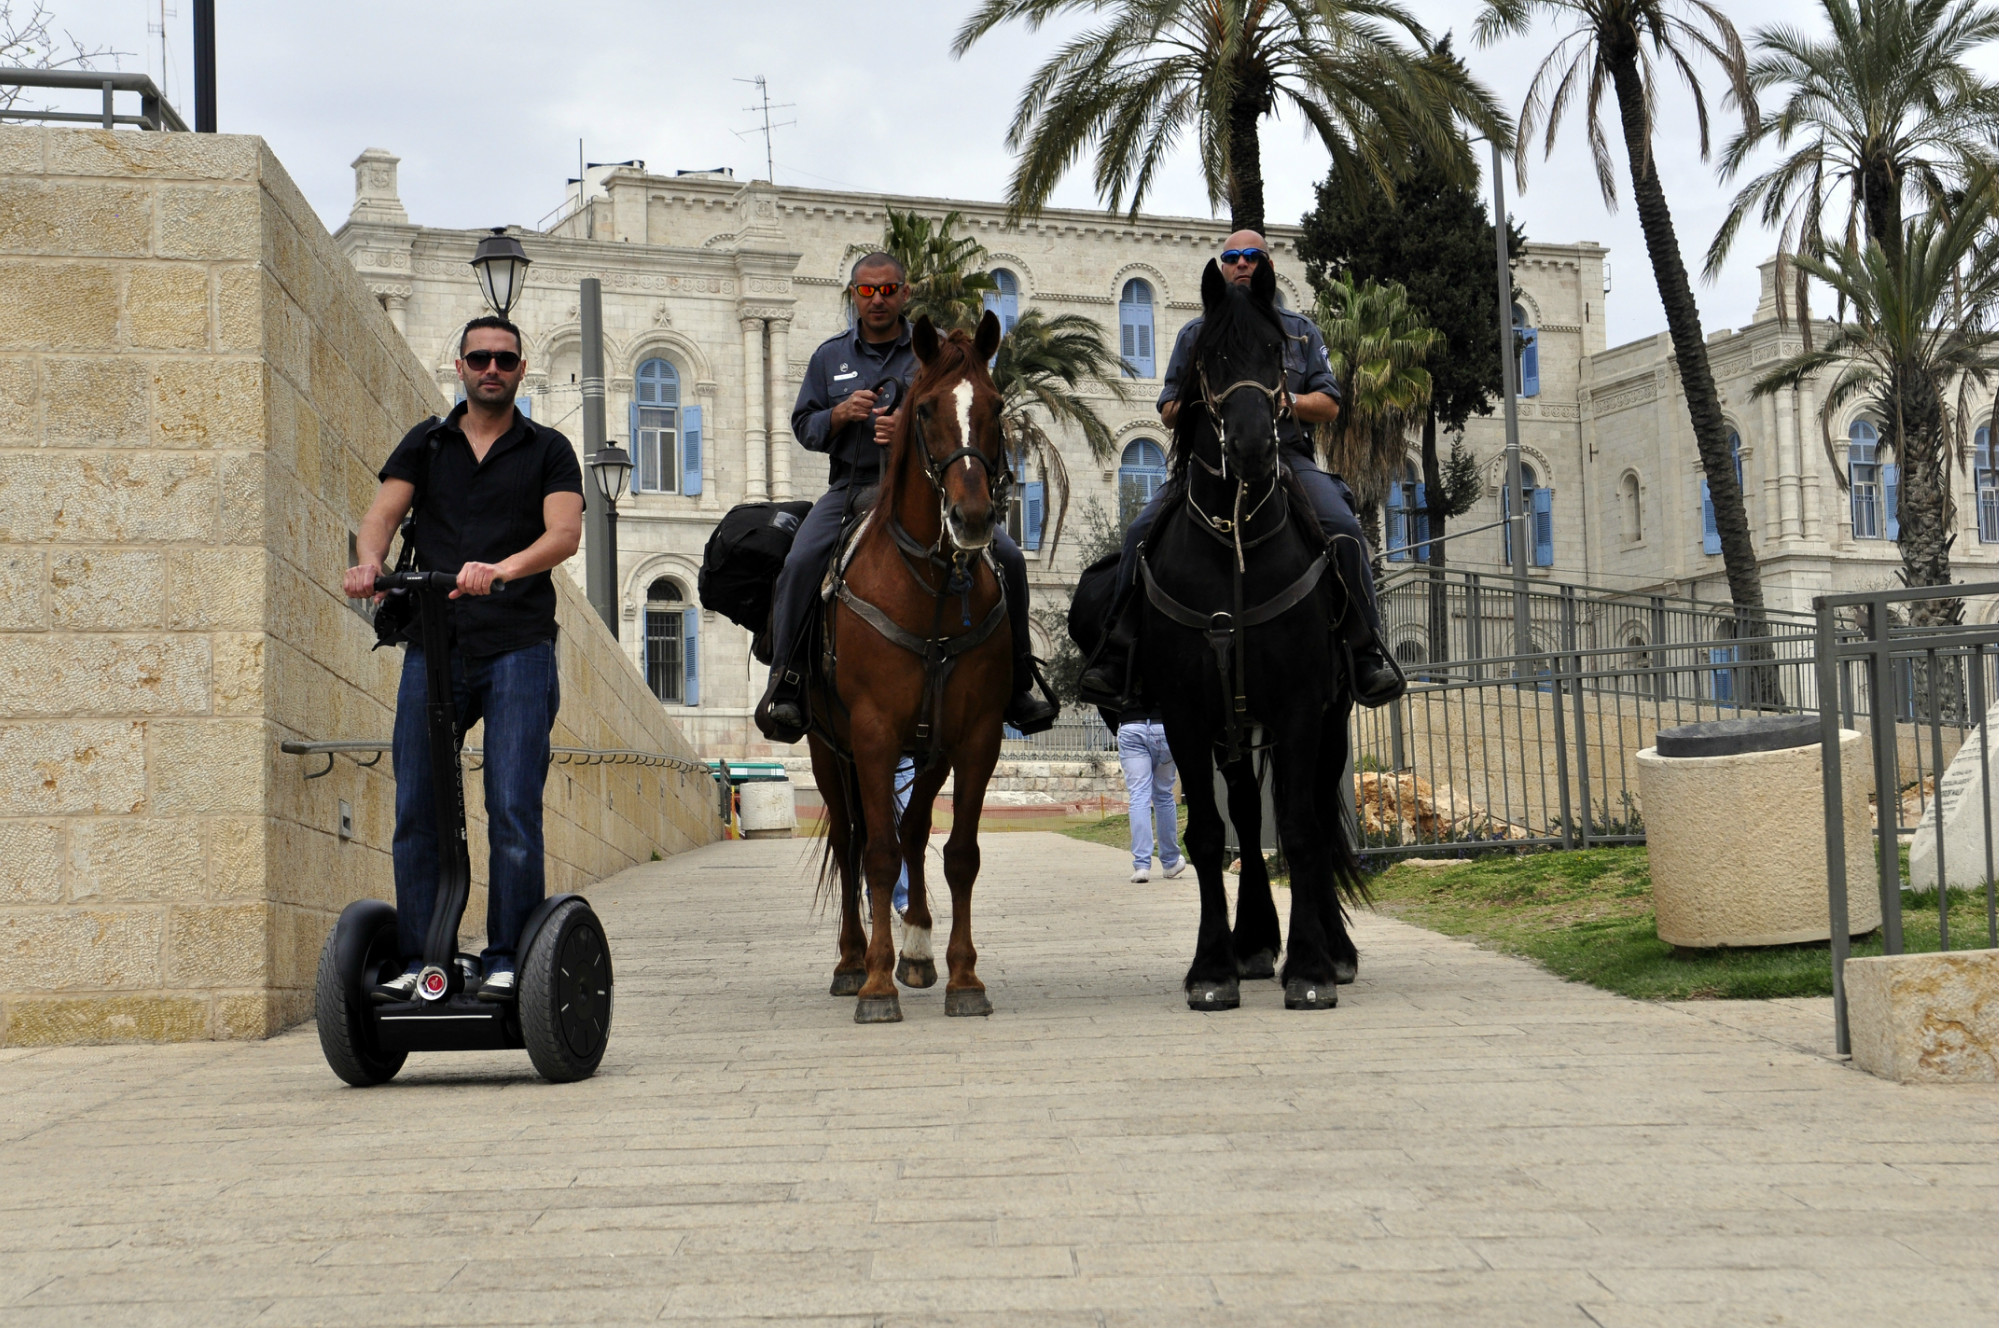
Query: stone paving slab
[[1465, 1140]]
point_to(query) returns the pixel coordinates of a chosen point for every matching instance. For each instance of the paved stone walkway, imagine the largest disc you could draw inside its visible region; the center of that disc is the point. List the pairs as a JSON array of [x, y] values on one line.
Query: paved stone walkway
[[1465, 1141]]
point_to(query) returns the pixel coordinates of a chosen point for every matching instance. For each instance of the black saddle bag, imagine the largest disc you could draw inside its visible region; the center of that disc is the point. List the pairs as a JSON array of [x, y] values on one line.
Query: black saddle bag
[[1090, 607], [744, 555]]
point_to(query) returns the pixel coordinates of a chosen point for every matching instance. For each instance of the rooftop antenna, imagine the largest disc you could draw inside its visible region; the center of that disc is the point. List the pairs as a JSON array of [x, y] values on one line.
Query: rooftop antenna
[[764, 108], [159, 30]]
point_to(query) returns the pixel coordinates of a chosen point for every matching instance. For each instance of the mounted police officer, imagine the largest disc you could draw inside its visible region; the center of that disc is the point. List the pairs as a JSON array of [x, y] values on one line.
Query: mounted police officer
[[1308, 377], [847, 408]]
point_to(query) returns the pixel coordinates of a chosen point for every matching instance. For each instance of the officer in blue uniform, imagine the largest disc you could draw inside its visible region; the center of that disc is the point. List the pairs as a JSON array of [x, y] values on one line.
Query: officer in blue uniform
[[847, 409], [1315, 394]]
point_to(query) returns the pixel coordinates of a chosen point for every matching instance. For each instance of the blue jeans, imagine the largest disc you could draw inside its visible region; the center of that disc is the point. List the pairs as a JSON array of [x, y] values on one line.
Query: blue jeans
[[517, 694], [1148, 782]]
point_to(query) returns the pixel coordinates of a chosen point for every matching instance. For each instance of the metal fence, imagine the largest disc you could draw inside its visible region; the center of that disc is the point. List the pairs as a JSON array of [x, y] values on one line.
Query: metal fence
[[1079, 734], [1897, 653], [154, 111]]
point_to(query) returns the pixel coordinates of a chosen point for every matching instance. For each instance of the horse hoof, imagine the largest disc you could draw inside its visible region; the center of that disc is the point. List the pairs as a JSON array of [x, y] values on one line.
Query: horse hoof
[[850, 982], [916, 972], [965, 1001], [1345, 971], [1302, 994], [1262, 964], [1205, 995], [878, 1010]]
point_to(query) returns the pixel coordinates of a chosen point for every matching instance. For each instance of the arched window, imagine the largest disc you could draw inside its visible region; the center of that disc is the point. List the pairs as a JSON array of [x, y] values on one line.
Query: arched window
[[1986, 477], [1873, 484], [1540, 522], [1134, 317], [1139, 476], [1526, 346], [666, 437], [1710, 533], [1005, 300], [672, 644], [1631, 508], [1408, 518]]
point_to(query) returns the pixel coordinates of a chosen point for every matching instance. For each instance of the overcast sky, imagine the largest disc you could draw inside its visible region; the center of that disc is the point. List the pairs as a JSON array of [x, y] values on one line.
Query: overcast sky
[[484, 102]]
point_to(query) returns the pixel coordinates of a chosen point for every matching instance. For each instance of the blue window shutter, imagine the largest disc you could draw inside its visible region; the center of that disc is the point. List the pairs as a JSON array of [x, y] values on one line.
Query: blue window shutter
[[690, 449], [1890, 493], [1398, 526], [525, 404], [643, 477], [1530, 363], [1544, 527], [1422, 552], [690, 650], [1033, 503], [1710, 534]]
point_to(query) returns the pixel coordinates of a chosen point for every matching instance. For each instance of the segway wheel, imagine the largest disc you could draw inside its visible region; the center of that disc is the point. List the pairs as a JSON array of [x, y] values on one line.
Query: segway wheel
[[341, 1003], [565, 994]]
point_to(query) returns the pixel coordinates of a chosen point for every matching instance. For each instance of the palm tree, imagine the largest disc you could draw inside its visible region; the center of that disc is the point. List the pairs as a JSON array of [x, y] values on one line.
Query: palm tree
[[1616, 44], [1921, 324], [1130, 87], [1377, 346], [1883, 110], [943, 268]]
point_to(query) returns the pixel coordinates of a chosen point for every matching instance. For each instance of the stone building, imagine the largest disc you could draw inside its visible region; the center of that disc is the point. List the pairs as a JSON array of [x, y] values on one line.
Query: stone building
[[717, 290]]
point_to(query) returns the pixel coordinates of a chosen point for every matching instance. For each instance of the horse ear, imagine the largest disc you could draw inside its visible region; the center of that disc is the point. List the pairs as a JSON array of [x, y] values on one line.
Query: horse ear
[[1263, 283], [1214, 287], [924, 338], [988, 339]]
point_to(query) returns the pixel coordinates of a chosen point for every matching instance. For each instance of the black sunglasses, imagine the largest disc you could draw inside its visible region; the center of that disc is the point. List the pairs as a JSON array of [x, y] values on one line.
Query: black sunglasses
[[506, 360], [1233, 256]]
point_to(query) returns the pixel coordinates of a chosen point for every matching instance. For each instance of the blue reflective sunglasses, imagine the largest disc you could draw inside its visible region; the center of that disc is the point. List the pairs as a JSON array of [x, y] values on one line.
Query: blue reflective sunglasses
[[1231, 256]]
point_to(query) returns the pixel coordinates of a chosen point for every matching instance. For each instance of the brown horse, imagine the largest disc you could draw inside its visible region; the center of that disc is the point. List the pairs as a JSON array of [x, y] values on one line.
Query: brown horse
[[917, 658]]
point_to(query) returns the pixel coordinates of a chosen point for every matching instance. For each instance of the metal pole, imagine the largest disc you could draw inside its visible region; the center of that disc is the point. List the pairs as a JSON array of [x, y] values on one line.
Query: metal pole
[[204, 66], [1831, 774], [600, 559], [1515, 482]]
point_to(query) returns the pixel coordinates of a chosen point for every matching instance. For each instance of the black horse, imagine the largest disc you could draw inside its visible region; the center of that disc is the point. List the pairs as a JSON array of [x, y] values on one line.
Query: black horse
[[1238, 599]]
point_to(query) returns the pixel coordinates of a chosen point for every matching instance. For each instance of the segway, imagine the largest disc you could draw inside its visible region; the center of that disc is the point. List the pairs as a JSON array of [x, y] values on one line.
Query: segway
[[561, 1013]]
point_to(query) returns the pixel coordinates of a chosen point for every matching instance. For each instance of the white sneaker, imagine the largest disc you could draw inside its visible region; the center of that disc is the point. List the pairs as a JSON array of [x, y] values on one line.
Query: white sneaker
[[1140, 876], [1176, 869]]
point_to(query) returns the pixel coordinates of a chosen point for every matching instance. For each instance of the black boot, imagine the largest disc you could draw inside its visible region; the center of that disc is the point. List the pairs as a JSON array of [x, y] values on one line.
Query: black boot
[[1377, 679], [1026, 711], [781, 714], [1104, 682]]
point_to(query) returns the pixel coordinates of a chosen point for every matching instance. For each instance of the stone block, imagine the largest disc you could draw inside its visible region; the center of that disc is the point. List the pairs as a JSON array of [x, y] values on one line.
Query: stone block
[[239, 308], [58, 306], [43, 1021], [236, 857], [73, 218], [20, 401], [95, 402], [107, 498], [71, 767], [124, 154], [133, 859], [243, 496], [246, 1017], [107, 590], [297, 936], [209, 223], [80, 949], [24, 603], [221, 945], [166, 307], [219, 588], [57, 675], [239, 672], [31, 854], [20, 150], [208, 403], [1926, 1018], [214, 765]]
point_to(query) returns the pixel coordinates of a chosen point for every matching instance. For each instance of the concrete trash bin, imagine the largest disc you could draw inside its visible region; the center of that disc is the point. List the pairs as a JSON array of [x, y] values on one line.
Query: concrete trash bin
[[770, 808], [1735, 830]]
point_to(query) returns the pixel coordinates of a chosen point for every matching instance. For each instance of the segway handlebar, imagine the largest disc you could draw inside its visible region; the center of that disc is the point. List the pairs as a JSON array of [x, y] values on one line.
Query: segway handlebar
[[392, 581]]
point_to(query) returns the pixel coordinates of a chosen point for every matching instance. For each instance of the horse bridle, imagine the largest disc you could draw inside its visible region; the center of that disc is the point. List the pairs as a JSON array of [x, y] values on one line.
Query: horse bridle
[[1279, 397], [999, 479]]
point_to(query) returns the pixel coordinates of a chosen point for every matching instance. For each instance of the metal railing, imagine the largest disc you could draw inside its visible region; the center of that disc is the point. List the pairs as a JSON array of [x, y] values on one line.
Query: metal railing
[[584, 756], [1079, 734], [1934, 680], [155, 113]]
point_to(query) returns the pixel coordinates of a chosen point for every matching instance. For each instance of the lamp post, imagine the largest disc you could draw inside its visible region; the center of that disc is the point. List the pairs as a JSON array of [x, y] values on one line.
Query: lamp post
[[609, 467], [1518, 519], [502, 266]]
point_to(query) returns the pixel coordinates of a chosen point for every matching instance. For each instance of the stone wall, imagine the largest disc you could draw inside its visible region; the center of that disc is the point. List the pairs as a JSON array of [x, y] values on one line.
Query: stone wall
[[195, 393]]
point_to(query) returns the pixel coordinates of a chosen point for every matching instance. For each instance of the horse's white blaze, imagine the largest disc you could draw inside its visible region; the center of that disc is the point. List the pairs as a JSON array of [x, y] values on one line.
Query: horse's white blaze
[[963, 391], [916, 943]]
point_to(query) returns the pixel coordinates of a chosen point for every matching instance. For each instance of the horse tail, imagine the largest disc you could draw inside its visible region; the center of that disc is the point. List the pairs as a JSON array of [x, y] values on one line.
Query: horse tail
[[850, 803]]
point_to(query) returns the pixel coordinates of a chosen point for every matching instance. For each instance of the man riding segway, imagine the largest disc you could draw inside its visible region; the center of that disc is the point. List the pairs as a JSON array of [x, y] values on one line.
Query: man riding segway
[[1313, 399], [846, 409]]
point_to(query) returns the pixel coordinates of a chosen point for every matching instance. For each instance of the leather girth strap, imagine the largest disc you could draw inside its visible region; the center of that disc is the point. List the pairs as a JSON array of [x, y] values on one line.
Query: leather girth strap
[[1224, 632], [938, 653]]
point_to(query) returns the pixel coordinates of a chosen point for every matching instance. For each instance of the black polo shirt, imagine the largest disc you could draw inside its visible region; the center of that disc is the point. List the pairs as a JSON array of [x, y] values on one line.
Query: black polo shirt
[[470, 511]]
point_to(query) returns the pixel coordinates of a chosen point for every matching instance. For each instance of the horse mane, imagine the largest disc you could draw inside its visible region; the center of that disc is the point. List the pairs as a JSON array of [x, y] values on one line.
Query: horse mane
[[955, 353], [1226, 328]]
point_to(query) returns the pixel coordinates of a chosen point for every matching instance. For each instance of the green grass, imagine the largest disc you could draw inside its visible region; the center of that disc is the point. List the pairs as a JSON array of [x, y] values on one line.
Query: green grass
[[1586, 915], [1116, 830]]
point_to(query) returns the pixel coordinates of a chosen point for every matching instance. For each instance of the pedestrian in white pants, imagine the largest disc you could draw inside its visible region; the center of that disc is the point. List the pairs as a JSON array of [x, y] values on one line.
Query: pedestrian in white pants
[[1148, 782]]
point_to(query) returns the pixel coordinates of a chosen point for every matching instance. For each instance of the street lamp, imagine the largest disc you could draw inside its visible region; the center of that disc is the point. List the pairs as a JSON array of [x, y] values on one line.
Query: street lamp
[[611, 465], [502, 266]]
